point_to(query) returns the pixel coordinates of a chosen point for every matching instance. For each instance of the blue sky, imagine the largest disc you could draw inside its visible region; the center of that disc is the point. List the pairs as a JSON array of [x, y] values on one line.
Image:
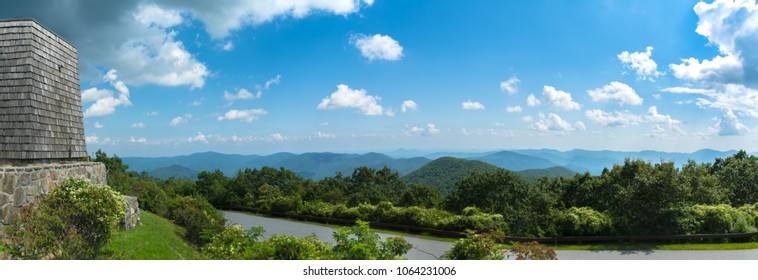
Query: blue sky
[[258, 77]]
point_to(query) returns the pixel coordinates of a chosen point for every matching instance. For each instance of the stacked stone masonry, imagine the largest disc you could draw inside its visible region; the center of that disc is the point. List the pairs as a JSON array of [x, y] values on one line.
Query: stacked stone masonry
[[40, 101], [21, 186]]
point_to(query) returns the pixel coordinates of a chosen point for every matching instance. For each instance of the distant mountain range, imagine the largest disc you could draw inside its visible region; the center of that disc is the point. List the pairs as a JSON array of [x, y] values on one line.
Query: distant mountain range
[[321, 165]]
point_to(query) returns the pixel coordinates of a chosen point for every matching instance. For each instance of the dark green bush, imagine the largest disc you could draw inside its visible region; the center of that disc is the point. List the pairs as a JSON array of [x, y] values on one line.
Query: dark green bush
[[198, 217]]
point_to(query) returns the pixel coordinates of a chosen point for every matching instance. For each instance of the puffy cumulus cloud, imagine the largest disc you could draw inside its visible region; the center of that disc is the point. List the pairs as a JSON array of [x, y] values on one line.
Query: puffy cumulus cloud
[[510, 85], [552, 123], [616, 119], [469, 105], [430, 129], [98, 125], [154, 15], [729, 125], [408, 105], [92, 139], [532, 101], [732, 26], [180, 120], [615, 92], [655, 117], [199, 138], [105, 102], [721, 69], [141, 140], [322, 135], [345, 97], [513, 109], [559, 99], [527, 118], [94, 94], [688, 90], [378, 47], [242, 94], [138, 125], [247, 116], [641, 63]]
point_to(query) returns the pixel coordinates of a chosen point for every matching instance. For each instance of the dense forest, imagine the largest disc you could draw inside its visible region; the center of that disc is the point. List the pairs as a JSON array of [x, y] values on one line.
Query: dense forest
[[636, 197]]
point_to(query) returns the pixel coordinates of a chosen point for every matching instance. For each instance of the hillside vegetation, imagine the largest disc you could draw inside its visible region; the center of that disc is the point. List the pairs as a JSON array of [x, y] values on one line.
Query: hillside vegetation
[[444, 172]]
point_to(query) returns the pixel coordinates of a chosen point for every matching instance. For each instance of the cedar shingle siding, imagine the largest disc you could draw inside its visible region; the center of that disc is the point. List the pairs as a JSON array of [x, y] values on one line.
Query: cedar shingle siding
[[40, 101]]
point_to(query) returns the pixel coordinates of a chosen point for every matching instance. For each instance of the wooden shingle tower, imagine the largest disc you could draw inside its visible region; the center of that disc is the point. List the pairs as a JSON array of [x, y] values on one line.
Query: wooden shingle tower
[[40, 102]]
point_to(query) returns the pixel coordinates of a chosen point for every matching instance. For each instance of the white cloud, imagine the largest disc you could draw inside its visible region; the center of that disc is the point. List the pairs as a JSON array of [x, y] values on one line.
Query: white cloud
[[98, 125], [152, 114], [408, 105], [242, 94], [654, 117], [579, 125], [559, 99], [688, 90], [321, 135], [221, 19], [718, 70], [469, 105], [196, 103], [378, 47], [247, 116], [532, 101], [430, 129], [730, 125], [94, 94], [92, 139], [180, 120], [498, 124], [734, 97], [732, 26], [228, 46], [105, 103], [278, 137], [154, 15], [272, 81], [527, 118], [641, 63], [137, 140], [510, 86], [345, 97], [200, 137], [615, 92], [513, 109], [369, 2], [617, 119], [552, 123], [138, 125]]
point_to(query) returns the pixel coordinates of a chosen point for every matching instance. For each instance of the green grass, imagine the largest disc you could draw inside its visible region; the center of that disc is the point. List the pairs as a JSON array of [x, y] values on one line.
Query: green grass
[[154, 239]]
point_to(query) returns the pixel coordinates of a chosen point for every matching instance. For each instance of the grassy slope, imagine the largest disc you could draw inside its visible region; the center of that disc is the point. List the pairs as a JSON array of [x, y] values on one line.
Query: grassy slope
[[154, 239]]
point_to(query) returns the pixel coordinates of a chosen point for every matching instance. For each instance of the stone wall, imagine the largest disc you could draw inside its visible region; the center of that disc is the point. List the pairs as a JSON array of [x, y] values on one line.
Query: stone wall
[[131, 217], [22, 185]]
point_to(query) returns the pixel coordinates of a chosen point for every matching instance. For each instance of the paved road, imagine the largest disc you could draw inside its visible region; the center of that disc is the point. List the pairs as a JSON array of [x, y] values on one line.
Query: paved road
[[422, 249], [429, 249], [659, 255]]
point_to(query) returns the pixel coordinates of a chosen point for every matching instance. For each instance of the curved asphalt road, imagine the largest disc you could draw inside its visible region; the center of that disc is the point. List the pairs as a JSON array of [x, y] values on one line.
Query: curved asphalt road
[[429, 249]]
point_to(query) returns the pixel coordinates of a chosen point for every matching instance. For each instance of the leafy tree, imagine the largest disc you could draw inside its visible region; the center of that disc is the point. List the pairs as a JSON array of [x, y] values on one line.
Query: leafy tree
[[474, 247], [361, 243], [422, 195], [73, 221], [701, 186], [738, 174], [583, 221]]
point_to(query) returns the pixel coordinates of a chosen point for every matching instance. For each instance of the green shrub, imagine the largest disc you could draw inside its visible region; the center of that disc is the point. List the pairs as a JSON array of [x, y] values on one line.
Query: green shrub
[[474, 247], [232, 243], [583, 221], [361, 243], [198, 217], [73, 221], [721, 218]]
